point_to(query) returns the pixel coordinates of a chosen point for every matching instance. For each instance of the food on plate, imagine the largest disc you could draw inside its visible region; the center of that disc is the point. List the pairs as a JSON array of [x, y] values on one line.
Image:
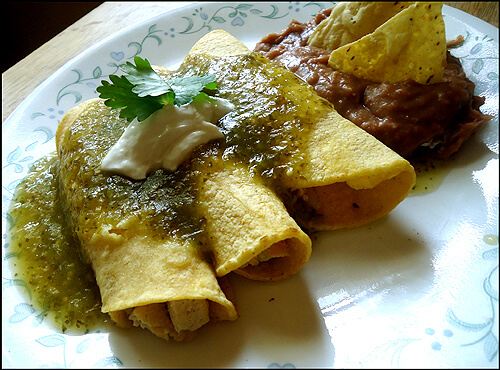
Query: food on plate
[[248, 228], [45, 257], [411, 45], [332, 174], [351, 20], [430, 119], [162, 240], [150, 272]]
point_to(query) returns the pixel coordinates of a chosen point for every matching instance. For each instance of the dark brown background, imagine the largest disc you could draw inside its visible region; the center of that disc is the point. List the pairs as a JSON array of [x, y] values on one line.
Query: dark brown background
[[29, 25]]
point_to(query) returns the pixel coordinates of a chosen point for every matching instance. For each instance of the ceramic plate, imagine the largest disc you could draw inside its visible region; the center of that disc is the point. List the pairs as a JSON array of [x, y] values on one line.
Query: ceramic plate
[[418, 288]]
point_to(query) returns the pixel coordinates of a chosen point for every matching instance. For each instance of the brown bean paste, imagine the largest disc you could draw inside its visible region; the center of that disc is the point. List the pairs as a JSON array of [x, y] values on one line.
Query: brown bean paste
[[408, 117]]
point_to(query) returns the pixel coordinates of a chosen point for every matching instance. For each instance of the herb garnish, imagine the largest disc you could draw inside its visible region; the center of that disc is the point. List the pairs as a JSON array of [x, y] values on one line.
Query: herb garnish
[[142, 91]]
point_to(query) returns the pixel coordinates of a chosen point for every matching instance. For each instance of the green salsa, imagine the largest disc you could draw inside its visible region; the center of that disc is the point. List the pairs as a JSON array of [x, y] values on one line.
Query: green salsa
[[273, 112], [46, 256]]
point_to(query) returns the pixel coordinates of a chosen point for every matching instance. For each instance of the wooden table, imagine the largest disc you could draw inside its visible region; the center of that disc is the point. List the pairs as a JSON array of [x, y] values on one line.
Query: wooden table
[[110, 17]]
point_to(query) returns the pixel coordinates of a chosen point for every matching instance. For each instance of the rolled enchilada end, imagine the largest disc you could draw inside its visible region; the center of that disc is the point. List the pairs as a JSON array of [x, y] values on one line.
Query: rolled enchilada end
[[249, 229], [279, 261], [338, 205], [159, 283], [177, 319]]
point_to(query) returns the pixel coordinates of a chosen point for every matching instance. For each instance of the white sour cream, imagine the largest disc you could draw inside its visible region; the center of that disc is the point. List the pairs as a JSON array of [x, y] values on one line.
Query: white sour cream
[[166, 138]]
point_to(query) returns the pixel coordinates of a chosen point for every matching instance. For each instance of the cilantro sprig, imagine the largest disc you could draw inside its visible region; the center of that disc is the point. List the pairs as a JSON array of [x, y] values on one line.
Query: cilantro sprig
[[141, 92]]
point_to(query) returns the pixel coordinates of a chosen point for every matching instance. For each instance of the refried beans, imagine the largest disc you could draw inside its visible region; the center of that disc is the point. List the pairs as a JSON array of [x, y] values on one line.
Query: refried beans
[[436, 119]]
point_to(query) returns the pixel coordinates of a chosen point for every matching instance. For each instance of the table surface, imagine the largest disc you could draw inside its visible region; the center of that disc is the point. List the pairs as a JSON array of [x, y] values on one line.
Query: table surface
[[22, 78]]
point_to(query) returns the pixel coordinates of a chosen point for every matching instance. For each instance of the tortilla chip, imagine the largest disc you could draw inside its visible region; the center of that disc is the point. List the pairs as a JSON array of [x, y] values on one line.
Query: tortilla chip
[[411, 45], [349, 21]]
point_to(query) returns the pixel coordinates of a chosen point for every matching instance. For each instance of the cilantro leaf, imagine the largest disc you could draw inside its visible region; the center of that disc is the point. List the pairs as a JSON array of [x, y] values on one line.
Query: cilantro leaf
[[144, 77], [187, 88], [120, 95], [141, 92]]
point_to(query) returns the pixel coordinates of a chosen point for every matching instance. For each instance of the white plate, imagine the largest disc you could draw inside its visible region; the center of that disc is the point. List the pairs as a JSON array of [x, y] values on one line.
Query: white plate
[[418, 288]]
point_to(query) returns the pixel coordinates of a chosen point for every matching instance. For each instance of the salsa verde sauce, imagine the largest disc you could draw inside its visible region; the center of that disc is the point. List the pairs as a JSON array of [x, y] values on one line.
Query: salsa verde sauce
[[45, 256], [264, 132], [274, 110]]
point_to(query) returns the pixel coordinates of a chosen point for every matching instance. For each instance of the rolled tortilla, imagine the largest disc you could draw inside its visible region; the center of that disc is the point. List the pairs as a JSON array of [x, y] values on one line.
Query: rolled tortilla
[[147, 276], [249, 229], [348, 178]]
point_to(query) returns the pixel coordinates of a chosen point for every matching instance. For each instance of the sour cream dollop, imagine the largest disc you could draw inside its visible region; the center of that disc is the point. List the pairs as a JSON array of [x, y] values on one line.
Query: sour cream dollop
[[166, 138]]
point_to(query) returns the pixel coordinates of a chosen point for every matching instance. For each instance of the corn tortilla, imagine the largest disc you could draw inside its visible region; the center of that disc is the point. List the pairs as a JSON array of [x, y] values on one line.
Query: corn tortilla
[[250, 230], [143, 275], [373, 178]]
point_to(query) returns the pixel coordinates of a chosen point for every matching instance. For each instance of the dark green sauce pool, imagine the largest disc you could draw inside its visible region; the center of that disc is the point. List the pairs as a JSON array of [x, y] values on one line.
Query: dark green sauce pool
[[45, 255]]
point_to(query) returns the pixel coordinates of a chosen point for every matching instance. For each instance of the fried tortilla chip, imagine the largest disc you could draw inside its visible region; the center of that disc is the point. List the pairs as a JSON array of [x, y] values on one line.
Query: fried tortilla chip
[[351, 20], [410, 45]]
